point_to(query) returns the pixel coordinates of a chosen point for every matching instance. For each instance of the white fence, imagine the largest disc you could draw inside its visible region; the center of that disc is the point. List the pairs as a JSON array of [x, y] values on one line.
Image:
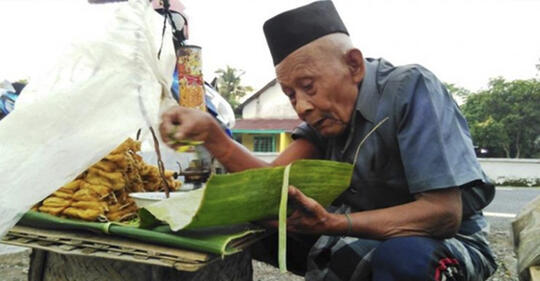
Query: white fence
[[506, 169], [498, 169], [266, 156]]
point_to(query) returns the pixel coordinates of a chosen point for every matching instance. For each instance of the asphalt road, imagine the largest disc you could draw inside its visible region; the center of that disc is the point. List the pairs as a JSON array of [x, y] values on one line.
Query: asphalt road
[[507, 203], [500, 213], [511, 199]]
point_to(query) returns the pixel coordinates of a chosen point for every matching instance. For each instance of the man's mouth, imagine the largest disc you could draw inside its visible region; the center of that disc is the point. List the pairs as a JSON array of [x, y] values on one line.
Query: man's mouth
[[319, 122]]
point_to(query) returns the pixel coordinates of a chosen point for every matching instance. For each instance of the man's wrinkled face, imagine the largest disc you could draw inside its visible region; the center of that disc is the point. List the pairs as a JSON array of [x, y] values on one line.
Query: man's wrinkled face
[[320, 88]]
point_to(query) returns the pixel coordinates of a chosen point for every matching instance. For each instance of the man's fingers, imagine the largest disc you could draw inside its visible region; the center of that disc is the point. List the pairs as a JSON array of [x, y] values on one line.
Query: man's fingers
[[305, 202], [178, 134], [163, 133], [295, 218], [291, 228], [268, 223], [169, 123], [164, 127], [172, 128]]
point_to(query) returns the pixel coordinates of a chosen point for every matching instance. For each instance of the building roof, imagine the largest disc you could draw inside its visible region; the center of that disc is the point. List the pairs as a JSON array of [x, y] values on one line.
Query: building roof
[[265, 125], [255, 95]]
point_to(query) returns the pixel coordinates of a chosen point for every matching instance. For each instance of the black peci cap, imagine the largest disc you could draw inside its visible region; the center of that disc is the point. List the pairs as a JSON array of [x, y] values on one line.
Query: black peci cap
[[295, 28]]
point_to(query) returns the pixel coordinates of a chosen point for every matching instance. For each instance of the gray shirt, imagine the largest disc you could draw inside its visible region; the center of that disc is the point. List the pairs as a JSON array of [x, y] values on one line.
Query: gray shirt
[[424, 144]]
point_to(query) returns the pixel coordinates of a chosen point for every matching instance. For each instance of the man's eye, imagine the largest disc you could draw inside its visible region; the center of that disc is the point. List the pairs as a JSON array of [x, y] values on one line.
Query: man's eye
[[289, 94], [307, 86], [292, 100]]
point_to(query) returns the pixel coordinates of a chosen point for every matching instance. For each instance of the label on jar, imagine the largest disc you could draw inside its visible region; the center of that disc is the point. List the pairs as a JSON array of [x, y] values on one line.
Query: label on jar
[[190, 78]]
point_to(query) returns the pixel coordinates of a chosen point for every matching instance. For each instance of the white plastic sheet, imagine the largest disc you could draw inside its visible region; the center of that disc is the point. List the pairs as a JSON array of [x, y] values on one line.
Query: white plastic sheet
[[87, 105]]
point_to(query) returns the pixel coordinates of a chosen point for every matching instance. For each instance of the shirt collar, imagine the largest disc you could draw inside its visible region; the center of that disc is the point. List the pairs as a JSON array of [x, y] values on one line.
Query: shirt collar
[[368, 94]]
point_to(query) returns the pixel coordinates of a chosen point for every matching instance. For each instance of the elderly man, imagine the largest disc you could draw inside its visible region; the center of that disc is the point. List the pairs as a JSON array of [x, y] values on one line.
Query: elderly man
[[413, 210]]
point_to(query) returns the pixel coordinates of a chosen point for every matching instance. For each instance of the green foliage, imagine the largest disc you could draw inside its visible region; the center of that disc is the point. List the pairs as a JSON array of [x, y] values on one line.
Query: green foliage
[[505, 118], [521, 182], [23, 81], [456, 91], [229, 85]]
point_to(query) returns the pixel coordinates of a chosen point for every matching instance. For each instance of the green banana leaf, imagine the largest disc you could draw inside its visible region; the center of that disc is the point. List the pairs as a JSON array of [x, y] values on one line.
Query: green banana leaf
[[210, 217], [216, 241], [250, 195]]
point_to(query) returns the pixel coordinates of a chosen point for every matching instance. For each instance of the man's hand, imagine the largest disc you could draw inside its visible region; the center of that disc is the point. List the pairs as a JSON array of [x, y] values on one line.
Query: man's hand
[[180, 123], [308, 216], [434, 214], [180, 126]]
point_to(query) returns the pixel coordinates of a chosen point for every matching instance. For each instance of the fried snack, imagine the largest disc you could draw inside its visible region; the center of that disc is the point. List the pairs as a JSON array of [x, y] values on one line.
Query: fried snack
[[55, 211], [119, 185], [95, 179], [115, 158], [74, 185], [102, 191], [122, 163], [85, 214], [173, 184], [68, 191], [105, 165], [56, 202], [95, 205], [113, 180], [119, 212], [86, 194], [128, 144], [63, 194], [169, 174], [110, 176]]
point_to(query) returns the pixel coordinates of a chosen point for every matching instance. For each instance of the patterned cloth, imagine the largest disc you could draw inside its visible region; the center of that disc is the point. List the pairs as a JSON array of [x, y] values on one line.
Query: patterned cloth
[[466, 257]]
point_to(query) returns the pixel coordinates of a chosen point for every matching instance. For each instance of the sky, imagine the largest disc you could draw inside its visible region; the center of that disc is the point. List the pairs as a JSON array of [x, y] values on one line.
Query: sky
[[462, 42]]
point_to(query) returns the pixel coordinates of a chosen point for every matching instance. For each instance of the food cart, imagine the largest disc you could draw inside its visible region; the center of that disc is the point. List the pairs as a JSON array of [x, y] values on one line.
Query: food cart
[[97, 96], [78, 255], [117, 243], [101, 92]]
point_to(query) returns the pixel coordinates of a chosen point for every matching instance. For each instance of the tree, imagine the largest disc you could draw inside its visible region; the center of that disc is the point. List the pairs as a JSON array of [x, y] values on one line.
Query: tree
[[457, 92], [229, 85], [23, 81], [537, 69], [505, 118]]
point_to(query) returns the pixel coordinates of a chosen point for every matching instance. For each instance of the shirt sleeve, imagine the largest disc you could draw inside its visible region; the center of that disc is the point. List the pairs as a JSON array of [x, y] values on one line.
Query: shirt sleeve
[[304, 131], [434, 140]]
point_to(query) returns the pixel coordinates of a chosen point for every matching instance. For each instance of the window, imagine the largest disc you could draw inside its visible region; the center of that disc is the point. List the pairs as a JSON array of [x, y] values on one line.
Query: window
[[237, 138], [264, 144]]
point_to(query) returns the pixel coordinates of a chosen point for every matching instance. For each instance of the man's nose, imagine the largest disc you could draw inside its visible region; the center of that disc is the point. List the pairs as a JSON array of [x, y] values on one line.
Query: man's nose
[[303, 106]]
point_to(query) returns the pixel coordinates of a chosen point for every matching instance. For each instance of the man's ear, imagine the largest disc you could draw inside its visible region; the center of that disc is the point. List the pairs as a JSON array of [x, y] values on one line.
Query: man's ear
[[355, 63]]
